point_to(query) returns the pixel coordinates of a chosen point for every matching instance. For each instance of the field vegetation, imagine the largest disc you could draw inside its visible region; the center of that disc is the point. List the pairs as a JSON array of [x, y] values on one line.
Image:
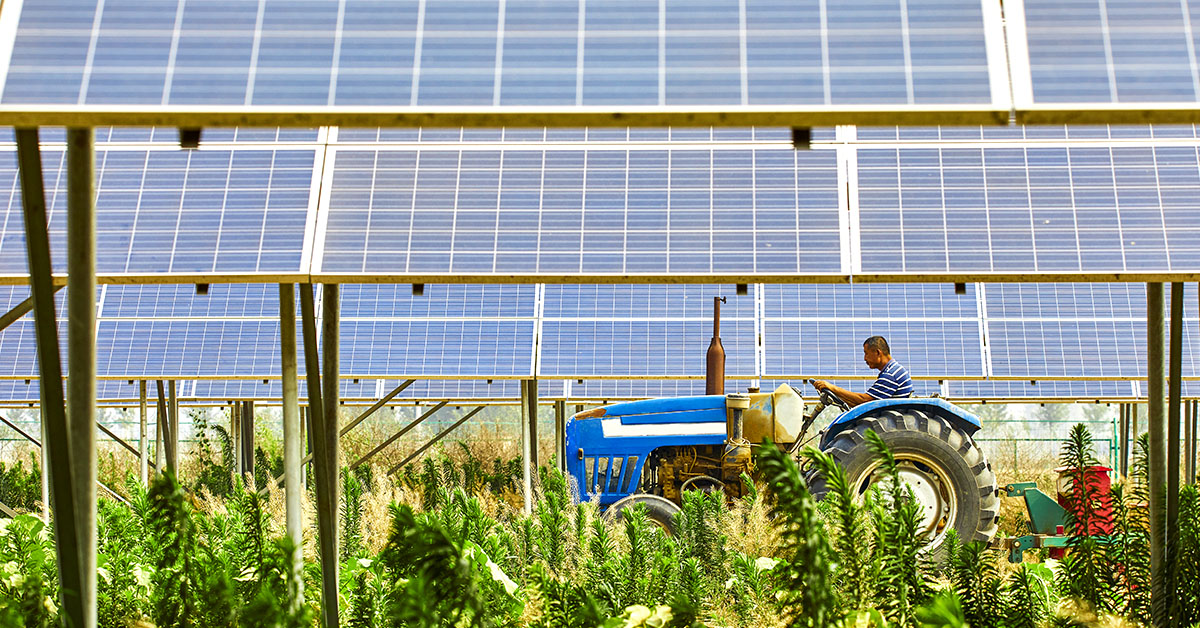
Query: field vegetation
[[444, 543]]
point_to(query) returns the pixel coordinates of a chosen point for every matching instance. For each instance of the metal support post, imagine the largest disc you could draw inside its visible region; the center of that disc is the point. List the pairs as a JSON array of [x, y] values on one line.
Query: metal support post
[[1186, 444], [1192, 443], [1175, 391], [247, 439], [143, 459], [164, 430], [1158, 451], [235, 437], [81, 351], [173, 417], [331, 306], [292, 466], [45, 470], [528, 439], [560, 434], [1123, 440], [324, 477]]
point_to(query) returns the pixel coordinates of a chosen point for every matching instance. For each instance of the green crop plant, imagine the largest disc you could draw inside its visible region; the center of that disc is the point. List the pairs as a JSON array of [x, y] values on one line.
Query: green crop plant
[[1086, 572], [352, 513], [806, 584], [21, 488], [974, 578], [851, 525], [1187, 557], [902, 583]]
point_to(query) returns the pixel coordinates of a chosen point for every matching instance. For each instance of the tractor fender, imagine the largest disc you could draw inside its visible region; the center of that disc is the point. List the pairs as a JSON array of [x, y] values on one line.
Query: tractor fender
[[957, 417]]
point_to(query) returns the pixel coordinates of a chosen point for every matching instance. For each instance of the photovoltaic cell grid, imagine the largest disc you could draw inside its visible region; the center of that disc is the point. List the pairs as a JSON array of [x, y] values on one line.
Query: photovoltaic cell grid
[[827, 347], [572, 211], [493, 52], [1029, 209], [818, 330], [675, 135], [1076, 330], [615, 348], [446, 348], [1019, 133], [1113, 51], [372, 301], [175, 211], [646, 302]]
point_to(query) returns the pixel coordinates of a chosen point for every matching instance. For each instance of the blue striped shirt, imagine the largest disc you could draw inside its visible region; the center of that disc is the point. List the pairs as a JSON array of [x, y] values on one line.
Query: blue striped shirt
[[893, 381]]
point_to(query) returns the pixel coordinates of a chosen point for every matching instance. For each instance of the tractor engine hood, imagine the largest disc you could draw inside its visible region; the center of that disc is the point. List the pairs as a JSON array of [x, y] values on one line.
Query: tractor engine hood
[[777, 415]]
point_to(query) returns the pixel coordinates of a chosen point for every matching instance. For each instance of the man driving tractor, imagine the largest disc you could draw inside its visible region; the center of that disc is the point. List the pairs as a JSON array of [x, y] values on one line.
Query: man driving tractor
[[893, 380]]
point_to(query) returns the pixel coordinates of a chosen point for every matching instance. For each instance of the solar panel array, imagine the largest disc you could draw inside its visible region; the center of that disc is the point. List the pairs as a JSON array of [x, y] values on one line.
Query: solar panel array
[[605, 341], [533, 205], [500, 52]]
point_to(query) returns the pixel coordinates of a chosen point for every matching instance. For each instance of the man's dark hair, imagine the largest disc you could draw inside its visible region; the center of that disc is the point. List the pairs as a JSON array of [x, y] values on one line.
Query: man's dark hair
[[878, 343]]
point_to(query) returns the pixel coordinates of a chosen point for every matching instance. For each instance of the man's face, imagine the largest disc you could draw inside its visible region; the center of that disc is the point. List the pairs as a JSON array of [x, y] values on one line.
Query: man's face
[[873, 357]]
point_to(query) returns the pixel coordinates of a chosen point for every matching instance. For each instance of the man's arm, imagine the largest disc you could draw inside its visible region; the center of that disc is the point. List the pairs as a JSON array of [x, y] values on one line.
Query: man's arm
[[849, 396]]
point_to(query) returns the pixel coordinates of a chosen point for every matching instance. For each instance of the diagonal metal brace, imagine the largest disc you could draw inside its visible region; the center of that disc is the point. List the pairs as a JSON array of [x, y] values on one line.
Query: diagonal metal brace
[[433, 441], [428, 413]]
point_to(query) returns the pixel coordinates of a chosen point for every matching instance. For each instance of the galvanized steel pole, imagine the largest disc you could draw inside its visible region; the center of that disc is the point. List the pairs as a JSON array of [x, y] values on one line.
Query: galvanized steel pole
[[143, 459], [331, 307], [1175, 389], [1158, 452], [560, 431], [527, 445], [327, 503], [173, 433], [81, 351], [292, 452]]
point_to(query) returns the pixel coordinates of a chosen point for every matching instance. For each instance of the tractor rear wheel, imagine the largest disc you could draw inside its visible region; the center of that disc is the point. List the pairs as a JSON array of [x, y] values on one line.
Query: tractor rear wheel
[[659, 510], [949, 475]]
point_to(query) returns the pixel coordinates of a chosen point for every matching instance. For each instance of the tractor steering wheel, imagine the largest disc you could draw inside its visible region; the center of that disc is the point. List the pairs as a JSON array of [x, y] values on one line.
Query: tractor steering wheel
[[829, 399]]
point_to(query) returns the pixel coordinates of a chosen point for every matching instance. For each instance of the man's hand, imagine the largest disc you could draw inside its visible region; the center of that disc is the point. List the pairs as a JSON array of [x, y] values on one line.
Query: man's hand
[[820, 384]]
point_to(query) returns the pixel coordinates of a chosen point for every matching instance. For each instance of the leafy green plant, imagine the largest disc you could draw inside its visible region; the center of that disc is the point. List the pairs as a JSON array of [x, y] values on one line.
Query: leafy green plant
[[27, 593], [974, 579], [851, 528], [807, 590], [902, 584], [1086, 571], [1187, 583], [21, 489], [352, 513], [1026, 597]]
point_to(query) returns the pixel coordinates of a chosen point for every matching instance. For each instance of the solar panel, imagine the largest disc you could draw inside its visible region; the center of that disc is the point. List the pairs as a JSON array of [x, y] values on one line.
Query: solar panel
[[832, 348], [260, 301], [152, 206], [511, 52], [673, 135], [1109, 52], [1033, 209], [1075, 330], [371, 301], [178, 349], [496, 212], [1045, 389], [653, 348], [432, 348], [876, 301], [626, 302]]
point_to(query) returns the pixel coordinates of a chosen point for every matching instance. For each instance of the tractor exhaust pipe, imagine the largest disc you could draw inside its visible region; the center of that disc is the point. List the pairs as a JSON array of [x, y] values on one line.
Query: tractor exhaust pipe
[[714, 374]]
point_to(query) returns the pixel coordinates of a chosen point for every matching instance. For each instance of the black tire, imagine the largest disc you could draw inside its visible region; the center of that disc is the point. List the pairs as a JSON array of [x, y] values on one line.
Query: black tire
[[924, 441], [660, 510]]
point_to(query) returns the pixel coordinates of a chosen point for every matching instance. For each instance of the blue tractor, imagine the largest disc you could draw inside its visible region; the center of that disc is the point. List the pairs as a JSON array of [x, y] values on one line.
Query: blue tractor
[[651, 451]]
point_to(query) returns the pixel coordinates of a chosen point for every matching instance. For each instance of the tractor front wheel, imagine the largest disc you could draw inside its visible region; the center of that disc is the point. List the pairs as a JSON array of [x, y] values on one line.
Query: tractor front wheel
[[659, 510], [948, 474]]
